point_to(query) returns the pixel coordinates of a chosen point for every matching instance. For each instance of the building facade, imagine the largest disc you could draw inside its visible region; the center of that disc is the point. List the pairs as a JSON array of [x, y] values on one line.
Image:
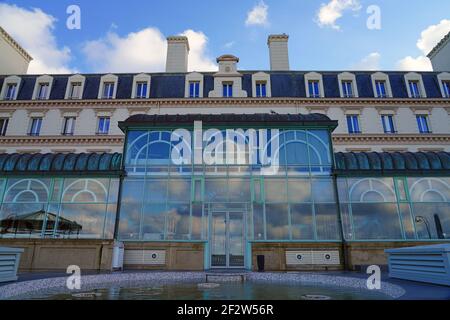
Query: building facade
[[362, 164]]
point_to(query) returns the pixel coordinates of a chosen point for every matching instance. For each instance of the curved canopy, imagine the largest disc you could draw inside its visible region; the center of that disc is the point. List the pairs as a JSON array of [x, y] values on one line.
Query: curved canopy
[[102, 163], [392, 163]]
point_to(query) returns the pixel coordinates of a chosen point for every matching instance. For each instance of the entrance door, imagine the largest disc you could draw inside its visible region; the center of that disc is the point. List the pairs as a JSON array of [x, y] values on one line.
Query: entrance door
[[227, 240]]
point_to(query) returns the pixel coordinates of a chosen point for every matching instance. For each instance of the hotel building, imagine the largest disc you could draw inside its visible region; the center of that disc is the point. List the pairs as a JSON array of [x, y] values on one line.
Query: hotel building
[[88, 161]]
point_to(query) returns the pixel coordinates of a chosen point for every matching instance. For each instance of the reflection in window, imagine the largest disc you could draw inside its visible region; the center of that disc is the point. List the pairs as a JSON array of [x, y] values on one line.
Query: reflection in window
[[376, 221], [58, 208], [277, 221]]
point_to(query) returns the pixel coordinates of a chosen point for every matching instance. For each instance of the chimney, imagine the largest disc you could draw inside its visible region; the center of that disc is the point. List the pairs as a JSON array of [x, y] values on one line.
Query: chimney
[[278, 49], [177, 54]]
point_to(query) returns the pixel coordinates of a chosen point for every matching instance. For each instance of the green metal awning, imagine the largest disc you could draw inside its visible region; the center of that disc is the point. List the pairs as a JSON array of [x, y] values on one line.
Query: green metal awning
[[60, 163], [396, 163]]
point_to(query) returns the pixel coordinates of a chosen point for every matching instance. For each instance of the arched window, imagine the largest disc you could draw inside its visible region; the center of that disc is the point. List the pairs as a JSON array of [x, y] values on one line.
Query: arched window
[[85, 191], [429, 190], [27, 191], [372, 190]]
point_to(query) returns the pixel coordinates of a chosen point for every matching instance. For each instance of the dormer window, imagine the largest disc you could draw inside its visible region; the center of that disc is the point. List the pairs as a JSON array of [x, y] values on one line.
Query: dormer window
[[11, 90], [314, 85], [141, 90], [75, 86], [108, 90], [414, 89], [141, 86], [446, 87], [444, 82], [261, 85], [347, 88], [75, 90], [261, 89], [43, 91], [42, 88], [414, 85], [194, 89], [108, 87], [227, 89], [313, 88], [380, 86]]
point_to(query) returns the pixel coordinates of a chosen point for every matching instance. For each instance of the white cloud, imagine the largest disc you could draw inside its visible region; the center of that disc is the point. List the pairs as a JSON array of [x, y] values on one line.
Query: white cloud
[[198, 59], [258, 16], [370, 62], [329, 13], [421, 63], [144, 50], [33, 29], [429, 38]]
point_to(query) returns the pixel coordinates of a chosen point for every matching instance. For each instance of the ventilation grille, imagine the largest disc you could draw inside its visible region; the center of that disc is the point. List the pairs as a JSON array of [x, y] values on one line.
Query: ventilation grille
[[432, 268], [145, 257], [8, 266], [296, 258]]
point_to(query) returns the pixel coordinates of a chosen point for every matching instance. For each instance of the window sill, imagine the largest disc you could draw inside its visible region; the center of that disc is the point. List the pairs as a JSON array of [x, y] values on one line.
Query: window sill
[[102, 134]]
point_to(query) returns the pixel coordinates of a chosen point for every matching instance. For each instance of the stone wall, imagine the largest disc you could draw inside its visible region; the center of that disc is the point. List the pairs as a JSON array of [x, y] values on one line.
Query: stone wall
[[179, 255], [275, 255], [57, 254]]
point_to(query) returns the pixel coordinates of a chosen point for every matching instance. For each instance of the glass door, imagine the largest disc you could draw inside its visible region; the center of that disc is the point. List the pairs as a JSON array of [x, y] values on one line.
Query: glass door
[[227, 240], [218, 240]]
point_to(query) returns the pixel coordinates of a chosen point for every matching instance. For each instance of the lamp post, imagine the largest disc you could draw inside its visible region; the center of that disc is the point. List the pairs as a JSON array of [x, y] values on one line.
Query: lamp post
[[427, 226]]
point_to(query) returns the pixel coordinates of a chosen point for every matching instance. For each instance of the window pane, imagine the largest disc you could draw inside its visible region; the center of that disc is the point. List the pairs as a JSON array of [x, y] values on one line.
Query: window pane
[[216, 190], [22, 220], [239, 190], [258, 222], [327, 222], [180, 190], [197, 222], [323, 190], [407, 221], [299, 190], [376, 221], [156, 190], [178, 222], [302, 222], [277, 222], [275, 190], [154, 222], [81, 221], [130, 219]]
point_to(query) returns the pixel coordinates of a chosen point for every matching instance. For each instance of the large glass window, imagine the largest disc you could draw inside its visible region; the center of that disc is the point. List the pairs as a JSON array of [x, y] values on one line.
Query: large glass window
[[410, 208], [58, 208]]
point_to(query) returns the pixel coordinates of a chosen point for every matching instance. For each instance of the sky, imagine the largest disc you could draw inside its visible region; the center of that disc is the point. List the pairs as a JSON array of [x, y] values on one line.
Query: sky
[[129, 36]]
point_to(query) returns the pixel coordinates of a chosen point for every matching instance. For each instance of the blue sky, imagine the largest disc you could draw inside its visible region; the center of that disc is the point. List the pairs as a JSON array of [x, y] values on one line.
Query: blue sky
[[219, 27]]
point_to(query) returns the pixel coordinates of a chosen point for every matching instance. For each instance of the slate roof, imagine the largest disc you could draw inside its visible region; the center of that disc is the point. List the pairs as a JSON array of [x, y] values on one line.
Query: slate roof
[[285, 84], [144, 120]]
